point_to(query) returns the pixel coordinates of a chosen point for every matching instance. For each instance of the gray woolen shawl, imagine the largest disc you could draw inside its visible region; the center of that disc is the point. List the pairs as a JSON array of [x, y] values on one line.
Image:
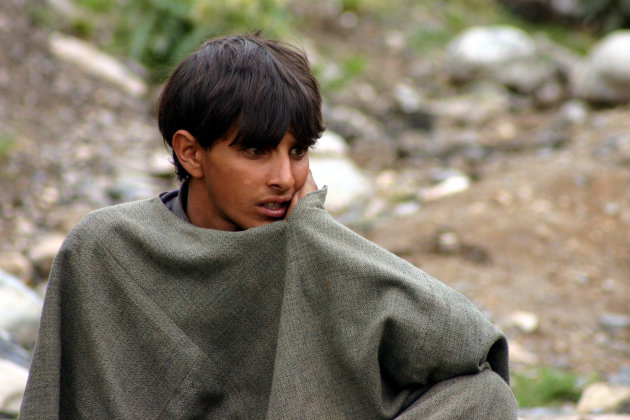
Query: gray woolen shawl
[[147, 316]]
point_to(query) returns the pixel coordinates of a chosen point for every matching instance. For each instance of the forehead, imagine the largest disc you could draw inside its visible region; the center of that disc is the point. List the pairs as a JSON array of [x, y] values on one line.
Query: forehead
[[263, 139]]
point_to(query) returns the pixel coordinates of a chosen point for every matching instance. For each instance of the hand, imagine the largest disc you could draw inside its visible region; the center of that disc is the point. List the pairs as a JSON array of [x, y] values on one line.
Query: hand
[[308, 187]]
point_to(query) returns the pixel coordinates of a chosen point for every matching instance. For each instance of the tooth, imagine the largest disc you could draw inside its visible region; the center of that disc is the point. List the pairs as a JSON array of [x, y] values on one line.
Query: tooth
[[273, 206]]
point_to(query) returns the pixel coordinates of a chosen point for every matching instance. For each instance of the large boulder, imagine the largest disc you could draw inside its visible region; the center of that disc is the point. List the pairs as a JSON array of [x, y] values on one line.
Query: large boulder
[[331, 166], [20, 310], [504, 54], [605, 398], [14, 363], [86, 57], [12, 383], [605, 76]]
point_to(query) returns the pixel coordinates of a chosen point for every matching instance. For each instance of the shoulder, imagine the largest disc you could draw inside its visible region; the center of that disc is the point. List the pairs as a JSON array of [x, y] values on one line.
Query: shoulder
[[107, 220]]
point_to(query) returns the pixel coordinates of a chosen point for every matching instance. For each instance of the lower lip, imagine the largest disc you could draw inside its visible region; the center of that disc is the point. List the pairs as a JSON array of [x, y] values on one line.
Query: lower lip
[[273, 213]]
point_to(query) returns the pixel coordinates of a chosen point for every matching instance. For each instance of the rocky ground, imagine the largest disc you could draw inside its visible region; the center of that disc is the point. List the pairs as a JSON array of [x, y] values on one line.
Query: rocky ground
[[538, 236]]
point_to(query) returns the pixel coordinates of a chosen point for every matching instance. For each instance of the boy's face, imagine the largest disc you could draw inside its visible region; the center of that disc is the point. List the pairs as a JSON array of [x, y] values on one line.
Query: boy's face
[[245, 188]]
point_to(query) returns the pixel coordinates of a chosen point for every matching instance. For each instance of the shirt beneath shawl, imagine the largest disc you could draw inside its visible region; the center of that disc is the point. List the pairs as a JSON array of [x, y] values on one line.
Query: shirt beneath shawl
[[147, 316], [176, 201]]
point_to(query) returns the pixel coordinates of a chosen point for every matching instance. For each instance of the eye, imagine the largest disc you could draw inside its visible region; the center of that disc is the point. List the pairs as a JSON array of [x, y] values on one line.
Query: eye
[[254, 151], [298, 151]]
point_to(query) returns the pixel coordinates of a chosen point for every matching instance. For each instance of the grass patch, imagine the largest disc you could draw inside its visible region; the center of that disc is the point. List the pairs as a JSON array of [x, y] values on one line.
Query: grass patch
[[6, 143], [337, 73], [546, 386]]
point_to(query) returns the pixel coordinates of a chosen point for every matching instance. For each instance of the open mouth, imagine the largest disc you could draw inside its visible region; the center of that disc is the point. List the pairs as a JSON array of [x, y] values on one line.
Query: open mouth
[[274, 209], [273, 206]]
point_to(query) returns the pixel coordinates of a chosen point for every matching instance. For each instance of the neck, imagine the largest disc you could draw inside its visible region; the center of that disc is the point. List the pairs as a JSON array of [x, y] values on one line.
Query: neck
[[201, 210]]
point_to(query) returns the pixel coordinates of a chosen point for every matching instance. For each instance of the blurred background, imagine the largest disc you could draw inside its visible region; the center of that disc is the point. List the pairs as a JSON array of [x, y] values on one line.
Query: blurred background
[[485, 141]]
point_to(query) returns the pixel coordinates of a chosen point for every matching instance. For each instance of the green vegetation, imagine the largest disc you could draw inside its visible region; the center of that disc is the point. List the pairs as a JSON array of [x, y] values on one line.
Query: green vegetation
[[158, 33], [607, 15], [546, 386], [333, 76], [364, 6], [6, 143], [444, 20]]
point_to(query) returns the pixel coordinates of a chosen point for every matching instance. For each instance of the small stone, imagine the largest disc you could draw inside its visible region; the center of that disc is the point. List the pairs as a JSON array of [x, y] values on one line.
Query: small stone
[[614, 321], [348, 20], [17, 264], [406, 209], [385, 180], [504, 198], [526, 322], [609, 285], [86, 57], [611, 208], [447, 241], [450, 186], [407, 97], [395, 40], [574, 112], [600, 398], [43, 253], [518, 354], [12, 384]]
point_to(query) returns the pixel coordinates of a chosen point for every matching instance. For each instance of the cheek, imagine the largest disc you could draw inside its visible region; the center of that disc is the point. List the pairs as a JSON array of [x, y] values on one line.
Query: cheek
[[300, 173]]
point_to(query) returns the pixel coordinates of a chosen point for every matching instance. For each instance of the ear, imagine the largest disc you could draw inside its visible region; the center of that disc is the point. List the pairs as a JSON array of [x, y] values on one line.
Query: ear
[[188, 153]]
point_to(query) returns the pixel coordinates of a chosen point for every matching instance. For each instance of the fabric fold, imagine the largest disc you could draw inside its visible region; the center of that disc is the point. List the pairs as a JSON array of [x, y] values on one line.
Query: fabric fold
[[147, 316]]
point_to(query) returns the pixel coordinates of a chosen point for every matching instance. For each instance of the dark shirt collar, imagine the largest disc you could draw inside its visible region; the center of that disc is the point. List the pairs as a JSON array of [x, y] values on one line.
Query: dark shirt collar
[[176, 201]]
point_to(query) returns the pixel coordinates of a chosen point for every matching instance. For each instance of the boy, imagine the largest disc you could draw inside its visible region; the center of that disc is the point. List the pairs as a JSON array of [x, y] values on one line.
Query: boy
[[238, 296]]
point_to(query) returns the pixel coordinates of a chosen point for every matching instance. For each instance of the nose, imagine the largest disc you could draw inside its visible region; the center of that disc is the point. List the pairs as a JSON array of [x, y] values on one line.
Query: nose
[[281, 173]]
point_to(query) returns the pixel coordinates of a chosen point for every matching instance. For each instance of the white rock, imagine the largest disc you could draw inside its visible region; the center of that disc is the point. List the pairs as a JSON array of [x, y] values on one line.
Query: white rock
[[406, 209], [330, 144], [97, 63], [346, 183], [407, 97], [43, 252], [452, 185], [518, 354], [604, 398], [159, 164], [12, 383], [20, 310], [613, 321], [605, 77], [480, 51], [574, 112], [527, 322]]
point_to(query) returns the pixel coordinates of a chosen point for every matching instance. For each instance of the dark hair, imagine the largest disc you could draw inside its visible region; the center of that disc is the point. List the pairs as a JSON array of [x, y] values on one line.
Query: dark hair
[[260, 87]]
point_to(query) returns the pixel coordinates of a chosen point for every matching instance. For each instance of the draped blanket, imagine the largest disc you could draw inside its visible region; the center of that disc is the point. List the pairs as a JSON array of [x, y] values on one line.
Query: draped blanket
[[147, 316]]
